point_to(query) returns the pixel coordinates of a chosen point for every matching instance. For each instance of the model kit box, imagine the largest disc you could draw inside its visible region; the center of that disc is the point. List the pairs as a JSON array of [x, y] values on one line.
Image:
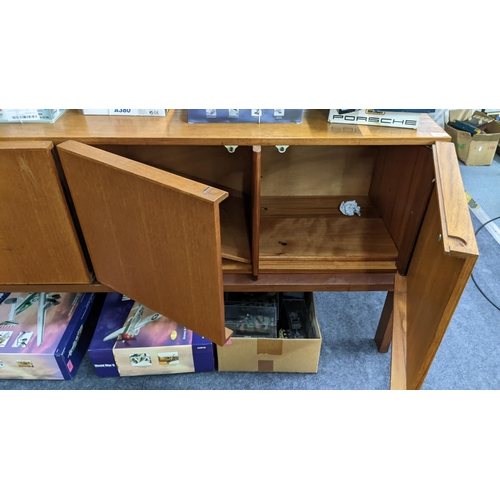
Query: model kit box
[[245, 115], [478, 149], [282, 354], [131, 339], [42, 335], [400, 118], [126, 112], [30, 115]]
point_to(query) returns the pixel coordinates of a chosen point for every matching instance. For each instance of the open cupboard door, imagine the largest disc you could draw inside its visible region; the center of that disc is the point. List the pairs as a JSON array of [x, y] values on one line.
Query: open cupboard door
[[152, 235], [442, 262]]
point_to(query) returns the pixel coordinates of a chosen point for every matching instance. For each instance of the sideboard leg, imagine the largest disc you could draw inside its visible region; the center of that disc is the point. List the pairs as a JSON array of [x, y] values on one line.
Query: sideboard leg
[[383, 337]]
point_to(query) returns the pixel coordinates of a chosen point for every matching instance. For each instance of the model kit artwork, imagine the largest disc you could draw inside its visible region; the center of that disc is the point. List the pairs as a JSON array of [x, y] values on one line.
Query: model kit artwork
[[19, 305], [131, 339], [43, 335], [133, 326]]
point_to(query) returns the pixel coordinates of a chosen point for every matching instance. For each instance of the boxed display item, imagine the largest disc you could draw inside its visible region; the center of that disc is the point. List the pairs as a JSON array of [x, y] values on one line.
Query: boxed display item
[[475, 145], [43, 335], [131, 339], [127, 112], [400, 118], [251, 314], [245, 115], [286, 353], [30, 115]]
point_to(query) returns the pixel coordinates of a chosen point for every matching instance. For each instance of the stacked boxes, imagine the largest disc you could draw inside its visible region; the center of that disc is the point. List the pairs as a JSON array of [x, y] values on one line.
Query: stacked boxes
[[42, 335], [30, 115], [131, 339], [474, 149], [245, 115]]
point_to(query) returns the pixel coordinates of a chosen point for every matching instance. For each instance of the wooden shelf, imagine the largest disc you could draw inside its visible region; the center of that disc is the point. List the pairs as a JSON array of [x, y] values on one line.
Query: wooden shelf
[[174, 129], [316, 244]]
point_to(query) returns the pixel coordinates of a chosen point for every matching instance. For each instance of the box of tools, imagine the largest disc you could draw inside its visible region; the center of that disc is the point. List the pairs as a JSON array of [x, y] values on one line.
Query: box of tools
[[43, 335]]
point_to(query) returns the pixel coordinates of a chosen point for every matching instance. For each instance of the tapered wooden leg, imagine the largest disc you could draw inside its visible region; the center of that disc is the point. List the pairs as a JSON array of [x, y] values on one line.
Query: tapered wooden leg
[[383, 337], [398, 351]]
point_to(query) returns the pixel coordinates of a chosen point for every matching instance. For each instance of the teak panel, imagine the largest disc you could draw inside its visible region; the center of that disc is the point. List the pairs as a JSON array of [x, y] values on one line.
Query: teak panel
[[398, 351], [317, 171], [151, 235], [235, 231], [174, 129], [38, 241], [325, 239], [435, 282], [213, 165], [400, 190]]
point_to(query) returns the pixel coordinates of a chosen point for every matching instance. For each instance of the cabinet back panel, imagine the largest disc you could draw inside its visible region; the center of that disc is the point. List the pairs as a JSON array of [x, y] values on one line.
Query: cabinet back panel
[[38, 241], [213, 165], [317, 171], [400, 190]]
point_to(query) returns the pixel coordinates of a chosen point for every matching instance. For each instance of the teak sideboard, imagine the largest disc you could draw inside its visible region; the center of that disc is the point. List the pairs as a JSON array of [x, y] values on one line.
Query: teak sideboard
[[173, 214]]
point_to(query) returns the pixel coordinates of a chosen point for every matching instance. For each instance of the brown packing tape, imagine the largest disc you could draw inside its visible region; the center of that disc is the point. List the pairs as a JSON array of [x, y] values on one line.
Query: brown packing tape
[[265, 365], [274, 346]]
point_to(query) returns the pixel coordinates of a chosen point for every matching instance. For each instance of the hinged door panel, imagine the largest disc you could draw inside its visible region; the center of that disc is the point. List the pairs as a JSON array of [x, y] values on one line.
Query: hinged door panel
[[444, 256], [152, 235], [38, 240]]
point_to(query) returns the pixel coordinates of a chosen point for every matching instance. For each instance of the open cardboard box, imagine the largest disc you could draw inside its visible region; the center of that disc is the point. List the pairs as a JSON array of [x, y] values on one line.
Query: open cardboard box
[[242, 354], [474, 150]]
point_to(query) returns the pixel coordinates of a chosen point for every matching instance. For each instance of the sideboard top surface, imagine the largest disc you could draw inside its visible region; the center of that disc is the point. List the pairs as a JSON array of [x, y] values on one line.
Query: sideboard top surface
[[174, 129]]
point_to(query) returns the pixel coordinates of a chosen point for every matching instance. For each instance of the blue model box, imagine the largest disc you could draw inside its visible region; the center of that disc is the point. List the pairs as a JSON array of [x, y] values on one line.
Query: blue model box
[[43, 335], [131, 339], [245, 115]]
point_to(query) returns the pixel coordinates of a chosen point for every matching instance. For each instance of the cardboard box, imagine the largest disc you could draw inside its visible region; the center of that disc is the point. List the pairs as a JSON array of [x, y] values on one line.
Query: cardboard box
[[245, 115], [273, 354], [126, 112], [30, 115], [42, 335], [378, 117], [131, 340], [478, 149]]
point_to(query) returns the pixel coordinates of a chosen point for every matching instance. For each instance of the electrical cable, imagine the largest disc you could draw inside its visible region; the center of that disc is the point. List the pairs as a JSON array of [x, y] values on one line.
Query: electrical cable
[[472, 275]]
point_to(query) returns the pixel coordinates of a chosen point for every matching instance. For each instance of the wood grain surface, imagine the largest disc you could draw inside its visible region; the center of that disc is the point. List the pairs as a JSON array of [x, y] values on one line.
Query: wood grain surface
[[151, 235], [38, 241], [317, 171], [325, 239], [457, 231], [398, 350], [174, 129], [435, 282], [400, 190]]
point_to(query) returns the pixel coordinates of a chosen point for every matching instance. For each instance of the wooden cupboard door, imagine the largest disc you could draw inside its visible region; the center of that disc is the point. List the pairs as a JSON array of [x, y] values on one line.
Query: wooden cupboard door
[[442, 262], [38, 240], [152, 235]]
